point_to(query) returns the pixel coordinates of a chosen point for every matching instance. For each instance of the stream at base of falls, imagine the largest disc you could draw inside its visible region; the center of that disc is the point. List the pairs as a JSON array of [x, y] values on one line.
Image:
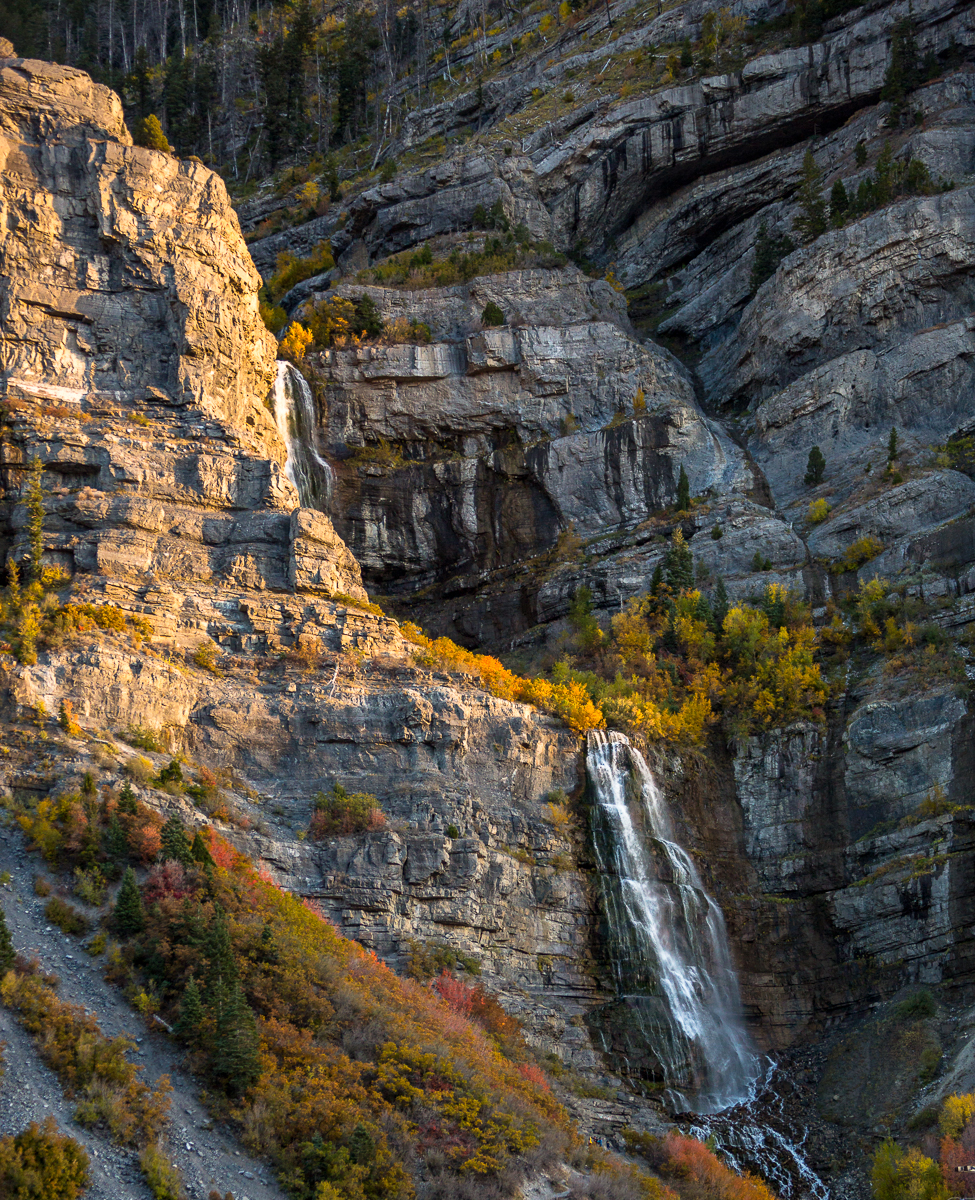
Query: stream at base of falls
[[676, 1025], [297, 422]]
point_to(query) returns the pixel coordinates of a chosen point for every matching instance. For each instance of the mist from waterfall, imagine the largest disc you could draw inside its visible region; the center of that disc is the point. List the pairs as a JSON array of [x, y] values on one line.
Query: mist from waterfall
[[673, 966], [297, 422]]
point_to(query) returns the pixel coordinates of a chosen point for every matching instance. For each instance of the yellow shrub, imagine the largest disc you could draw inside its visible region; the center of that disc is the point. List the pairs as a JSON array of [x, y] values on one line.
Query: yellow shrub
[[956, 1112], [818, 511], [295, 343]]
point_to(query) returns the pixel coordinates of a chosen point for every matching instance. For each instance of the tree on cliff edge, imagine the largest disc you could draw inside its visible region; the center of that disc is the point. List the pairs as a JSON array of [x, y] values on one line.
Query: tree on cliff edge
[[149, 133]]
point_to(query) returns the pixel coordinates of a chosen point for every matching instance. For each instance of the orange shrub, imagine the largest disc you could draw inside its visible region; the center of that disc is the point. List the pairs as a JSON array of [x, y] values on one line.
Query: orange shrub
[[693, 1160]]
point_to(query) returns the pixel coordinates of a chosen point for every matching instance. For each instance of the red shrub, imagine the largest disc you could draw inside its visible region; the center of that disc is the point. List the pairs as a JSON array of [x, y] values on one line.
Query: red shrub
[[534, 1074], [166, 879], [145, 842]]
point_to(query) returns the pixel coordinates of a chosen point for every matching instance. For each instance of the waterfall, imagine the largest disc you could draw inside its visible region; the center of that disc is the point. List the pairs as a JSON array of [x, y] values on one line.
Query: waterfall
[[297, 422], [678, 1011]]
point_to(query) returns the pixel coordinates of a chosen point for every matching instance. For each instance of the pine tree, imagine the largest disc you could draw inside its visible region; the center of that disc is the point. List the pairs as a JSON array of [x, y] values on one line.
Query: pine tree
[[683, 491], [200, 853], [126, 801], [129, 916], [839, 205], [769, 252], [719, 604], [679, 564], [35, 518], [174, 843], [149, 133], [236, 1057], [219, 952], [903, 71], [116, 843], [815, 467], [189, 1025], [7, 952], [811, 221], [892, 445], [657, 579]]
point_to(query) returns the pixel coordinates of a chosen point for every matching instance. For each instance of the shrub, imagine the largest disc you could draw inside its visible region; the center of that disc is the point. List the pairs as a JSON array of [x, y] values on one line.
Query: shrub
[[65, 916], [149, 133], [492, 314], [815, 467], [92, 1067], [89, 885], [818, 511], [427, 959], [340, 813], [859, 553], [295, 343], [42, 886], [956, 1112], [911, 1176], [290, 270], [917, 1007], [206, 656], [162, 1176], [144, 737], [42, 1164], [66, 719]]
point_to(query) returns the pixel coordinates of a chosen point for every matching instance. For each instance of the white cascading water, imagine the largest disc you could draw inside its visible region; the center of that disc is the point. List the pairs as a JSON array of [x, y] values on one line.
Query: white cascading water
[[295, 417], [670, 941], [673, 925]]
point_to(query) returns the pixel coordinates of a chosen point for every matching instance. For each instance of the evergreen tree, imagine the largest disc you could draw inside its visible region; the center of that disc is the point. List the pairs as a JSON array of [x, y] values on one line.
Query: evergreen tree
[[116, 843], [236, 1058], [815, 467], [892, 445], [7, 952], [657, 579], [839, 205], [811, 221], [149, 133], [174, 843], [200, 853], [769, 252], [189, 1025], [679, 564], [903, 71], [126, 801], [719, 604], [683, 491], [35, 518], [218, 951], [129, 916]]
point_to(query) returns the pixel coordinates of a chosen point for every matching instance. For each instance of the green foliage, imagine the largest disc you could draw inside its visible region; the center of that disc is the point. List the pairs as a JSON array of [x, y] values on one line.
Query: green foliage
[[859, 553], [149, 133], [811, 222], [679, 563], [892, 445], [387, 172], [897, 1175], [162, 1176], [815, 467], [291, 270], [919, 1007], [839, 205], [769, 252], [143, 736], [583, 620], [206, 656], [40, 1163], [339, 813], [35, 518], [67, 918], [860, 154], [174, 842], [428, 959], [492, 218], [92, 1067], [903, 72], [958, 454], [128, 916], [189, 1026], [492, 314], [236, 1060], [7, 952], [683, 492]]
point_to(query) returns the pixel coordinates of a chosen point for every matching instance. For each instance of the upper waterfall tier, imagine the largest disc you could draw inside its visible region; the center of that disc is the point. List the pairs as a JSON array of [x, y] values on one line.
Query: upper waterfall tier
[[670, 949]]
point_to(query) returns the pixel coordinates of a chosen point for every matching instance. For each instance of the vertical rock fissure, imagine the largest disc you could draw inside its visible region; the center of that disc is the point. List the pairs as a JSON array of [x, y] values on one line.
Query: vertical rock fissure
[[677, 991], [296, 419]]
